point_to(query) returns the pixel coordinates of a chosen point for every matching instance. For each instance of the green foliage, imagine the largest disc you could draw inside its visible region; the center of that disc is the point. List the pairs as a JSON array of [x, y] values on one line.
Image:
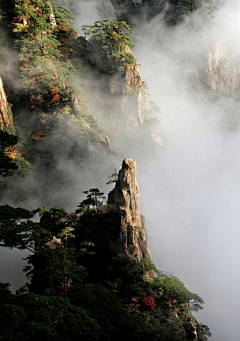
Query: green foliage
[[82, 289], [153, 108], [53, 219], [54, 270], [139, 228], [93, 202], [20, 234], [4, 292], [108, 45], [114, 176], [178, 10], [52, 104], [7, 152], [39, 317]]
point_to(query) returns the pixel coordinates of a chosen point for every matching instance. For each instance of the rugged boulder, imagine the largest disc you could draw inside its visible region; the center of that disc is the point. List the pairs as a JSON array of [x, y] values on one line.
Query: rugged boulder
[[132, 242]]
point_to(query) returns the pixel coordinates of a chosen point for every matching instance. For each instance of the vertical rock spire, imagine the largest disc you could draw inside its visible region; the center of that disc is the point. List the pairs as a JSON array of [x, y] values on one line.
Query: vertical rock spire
[[133, 241]]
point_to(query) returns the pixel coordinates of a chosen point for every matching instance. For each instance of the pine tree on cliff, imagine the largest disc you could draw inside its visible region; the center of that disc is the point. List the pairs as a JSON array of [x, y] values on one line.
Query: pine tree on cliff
[[52, 95], [108, 45]]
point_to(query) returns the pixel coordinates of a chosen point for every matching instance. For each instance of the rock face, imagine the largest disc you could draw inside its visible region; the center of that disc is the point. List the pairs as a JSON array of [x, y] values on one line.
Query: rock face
[[220, 72], [132, 106], [191, 331], [133, 241], [6, 119], [107, 9]]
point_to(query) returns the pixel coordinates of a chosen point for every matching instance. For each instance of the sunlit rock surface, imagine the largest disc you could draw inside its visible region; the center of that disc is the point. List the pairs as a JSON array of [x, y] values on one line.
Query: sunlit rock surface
[[6, 119], [220, 72], [133, 241], [132, 108]]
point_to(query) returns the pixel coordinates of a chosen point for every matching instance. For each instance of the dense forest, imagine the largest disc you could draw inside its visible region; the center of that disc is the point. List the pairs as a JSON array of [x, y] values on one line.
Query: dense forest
[[52, 108]]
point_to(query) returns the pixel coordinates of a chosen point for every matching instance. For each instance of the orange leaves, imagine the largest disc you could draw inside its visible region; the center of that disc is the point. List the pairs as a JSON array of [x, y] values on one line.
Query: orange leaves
[[38, 135], [35, 98], [108, 208], [53, 91], [56, 98], [12, 155]]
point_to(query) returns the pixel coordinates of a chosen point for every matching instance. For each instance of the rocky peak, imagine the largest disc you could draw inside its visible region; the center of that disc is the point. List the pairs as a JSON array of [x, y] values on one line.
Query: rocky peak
[[6, 119], [133, 241]]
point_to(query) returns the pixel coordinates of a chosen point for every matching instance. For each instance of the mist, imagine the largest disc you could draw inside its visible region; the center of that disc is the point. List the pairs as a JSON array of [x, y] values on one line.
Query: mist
[[190, 188], [190, 192]]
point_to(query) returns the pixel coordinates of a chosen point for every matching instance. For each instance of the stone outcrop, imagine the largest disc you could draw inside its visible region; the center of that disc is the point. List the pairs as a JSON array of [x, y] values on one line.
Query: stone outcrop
[[6, 119], [133, 241], [191, 331], [220, 73], [133, 103]]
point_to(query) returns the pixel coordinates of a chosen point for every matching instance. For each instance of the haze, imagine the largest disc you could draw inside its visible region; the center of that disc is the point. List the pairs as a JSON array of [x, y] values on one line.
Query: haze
[[190, 190]]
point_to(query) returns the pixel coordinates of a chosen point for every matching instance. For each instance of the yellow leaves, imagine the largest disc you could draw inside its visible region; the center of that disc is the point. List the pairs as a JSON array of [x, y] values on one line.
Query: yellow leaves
[[20, 28], [135, 299], [67, 110], [12, 155]]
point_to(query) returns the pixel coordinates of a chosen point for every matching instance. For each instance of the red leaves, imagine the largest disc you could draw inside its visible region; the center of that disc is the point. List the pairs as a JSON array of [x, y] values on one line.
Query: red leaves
[[177, 325], [56, 98], [53, 91], [149, 300]]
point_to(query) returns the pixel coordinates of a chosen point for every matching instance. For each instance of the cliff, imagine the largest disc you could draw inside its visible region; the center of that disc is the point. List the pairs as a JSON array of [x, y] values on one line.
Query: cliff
[[6, 119], [220, 72], [133, 241], [119, 100], [217, 71]]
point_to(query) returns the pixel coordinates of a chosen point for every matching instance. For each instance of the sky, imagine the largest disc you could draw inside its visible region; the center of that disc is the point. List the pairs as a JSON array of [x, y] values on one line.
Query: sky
[[190, 189], [190, 192]]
